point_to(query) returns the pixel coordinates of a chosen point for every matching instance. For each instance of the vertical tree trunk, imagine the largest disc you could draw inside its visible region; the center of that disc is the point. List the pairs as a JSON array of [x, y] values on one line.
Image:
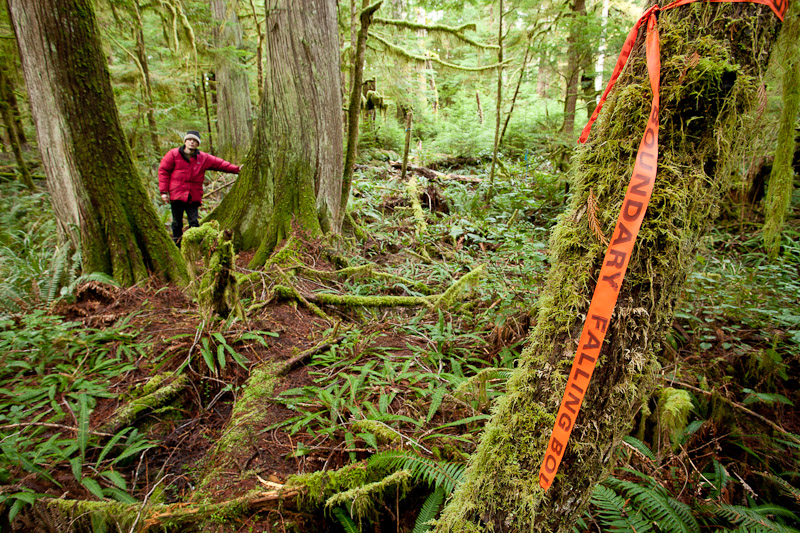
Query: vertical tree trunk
[[97, 195], [354, 107], [573, 64], [599, 65], [406, 146], [259, 51], [234, 110], [490, 191], [141, 54], [700, 122], [293, 169], [516, 92], [6, 110]]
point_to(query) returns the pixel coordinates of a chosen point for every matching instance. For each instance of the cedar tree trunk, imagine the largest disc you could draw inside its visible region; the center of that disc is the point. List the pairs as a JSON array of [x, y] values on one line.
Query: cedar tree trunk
[[294, 168], [700, 119], [97, 194], [234, 110]]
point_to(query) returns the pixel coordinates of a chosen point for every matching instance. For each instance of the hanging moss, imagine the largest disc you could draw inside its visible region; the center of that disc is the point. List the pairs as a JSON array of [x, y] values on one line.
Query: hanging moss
[[362, 501]]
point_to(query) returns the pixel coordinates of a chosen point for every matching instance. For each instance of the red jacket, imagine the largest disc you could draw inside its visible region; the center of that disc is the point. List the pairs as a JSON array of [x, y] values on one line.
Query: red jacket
[[182, 179]]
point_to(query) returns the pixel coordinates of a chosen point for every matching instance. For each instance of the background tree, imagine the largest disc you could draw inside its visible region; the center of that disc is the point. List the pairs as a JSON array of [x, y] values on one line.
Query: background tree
[[234, 110], [501, 491], [293, 170], [97, 195]]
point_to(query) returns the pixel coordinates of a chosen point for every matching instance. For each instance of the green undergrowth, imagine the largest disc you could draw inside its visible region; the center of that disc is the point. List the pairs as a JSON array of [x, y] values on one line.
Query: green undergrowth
[[703, 454], [53, 374]]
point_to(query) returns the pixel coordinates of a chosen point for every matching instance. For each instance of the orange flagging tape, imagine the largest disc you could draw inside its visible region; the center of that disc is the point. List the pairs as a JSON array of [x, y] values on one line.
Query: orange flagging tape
[[615, 262]]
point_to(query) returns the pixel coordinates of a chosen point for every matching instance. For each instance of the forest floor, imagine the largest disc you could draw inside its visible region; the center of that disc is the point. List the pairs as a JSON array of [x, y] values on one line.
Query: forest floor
[[373, 379]]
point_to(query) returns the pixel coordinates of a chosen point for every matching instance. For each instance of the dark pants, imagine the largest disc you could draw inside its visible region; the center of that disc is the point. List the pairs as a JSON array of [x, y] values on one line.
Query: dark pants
[[178, 208]]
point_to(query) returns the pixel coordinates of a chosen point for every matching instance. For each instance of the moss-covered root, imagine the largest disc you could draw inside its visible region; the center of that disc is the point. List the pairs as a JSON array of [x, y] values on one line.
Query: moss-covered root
[[365, 271], [159, 390], [248, 412], [702, 114]]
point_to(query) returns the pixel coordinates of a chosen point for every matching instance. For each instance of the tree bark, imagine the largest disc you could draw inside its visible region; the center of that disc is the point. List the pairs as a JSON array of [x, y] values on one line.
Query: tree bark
[[234, 109], [97, 195], [700, 122], [293, 169], [574, 62]]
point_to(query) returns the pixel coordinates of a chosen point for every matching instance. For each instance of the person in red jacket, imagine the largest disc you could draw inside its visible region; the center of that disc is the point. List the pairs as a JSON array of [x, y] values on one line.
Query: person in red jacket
[[180, 180]]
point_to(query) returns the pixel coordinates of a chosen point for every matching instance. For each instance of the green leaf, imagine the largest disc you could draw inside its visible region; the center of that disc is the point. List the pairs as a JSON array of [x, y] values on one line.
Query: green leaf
[[115, 478], [93, 487]]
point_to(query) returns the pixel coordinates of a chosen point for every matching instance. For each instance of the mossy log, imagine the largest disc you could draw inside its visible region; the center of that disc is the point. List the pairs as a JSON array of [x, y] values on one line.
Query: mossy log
[[703, 110], [91, 516], [159, 390]]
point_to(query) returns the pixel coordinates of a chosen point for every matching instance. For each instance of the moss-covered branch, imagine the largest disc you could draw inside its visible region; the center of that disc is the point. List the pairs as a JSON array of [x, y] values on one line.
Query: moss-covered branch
[[456, 31], [159, 390], [82, 515], [402, 52]]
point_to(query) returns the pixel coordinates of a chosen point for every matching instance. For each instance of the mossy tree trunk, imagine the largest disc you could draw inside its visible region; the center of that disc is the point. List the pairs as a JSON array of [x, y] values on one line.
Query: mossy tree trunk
[[701, 115], [293, 170], [97, 195], [234, 109]]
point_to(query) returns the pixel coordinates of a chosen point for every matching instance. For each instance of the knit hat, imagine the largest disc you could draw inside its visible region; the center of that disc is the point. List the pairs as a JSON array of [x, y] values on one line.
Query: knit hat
[[192, 135]]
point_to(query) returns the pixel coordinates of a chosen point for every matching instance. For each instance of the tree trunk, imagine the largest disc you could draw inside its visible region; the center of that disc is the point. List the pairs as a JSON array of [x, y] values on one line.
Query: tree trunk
[[354, 107], [577, 22], [98, 197], [490, 190], [293, 169], [234, 110], [7, 113], [700, 122], [516, 92], [141, 54], [600, 63]]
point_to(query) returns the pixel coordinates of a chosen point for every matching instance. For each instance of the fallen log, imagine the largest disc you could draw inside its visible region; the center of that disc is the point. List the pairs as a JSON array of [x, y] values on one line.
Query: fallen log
[[434, 174]]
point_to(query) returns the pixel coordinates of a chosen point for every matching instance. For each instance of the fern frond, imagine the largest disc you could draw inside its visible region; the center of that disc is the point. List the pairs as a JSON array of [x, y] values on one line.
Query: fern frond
[[752, 518], [785, 487], [344, 519], [640, 447], [593, 222], [654, 502], [438, 474], [429, 511], [58, 269], [613, 515]]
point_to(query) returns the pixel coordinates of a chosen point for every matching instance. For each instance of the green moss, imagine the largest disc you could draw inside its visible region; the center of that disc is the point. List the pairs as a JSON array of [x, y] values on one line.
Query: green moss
[[361, 501], [381, 432], [153, 395], [467, 281]]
